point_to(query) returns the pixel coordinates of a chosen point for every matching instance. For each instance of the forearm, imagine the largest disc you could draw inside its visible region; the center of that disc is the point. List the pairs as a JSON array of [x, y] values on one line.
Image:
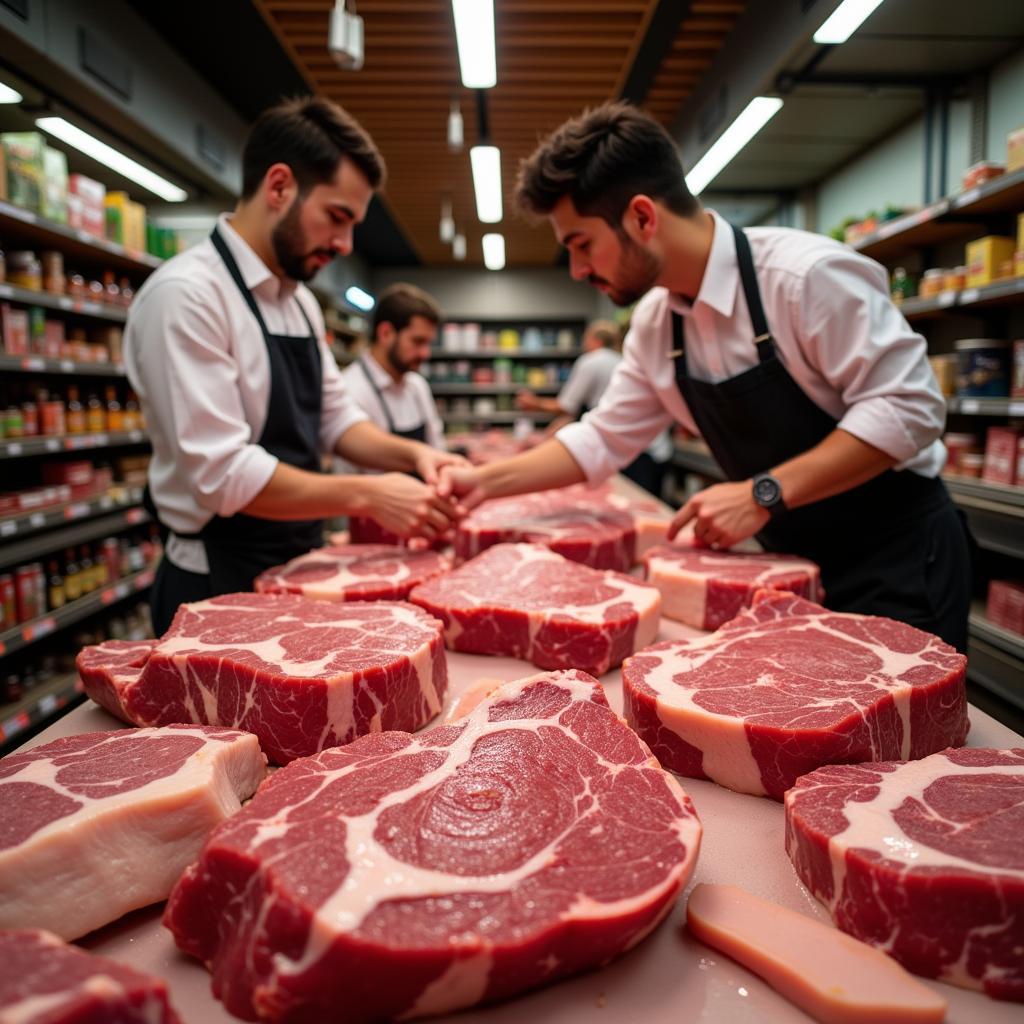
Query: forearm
[[293, 493], [542, 468], [839, 463], [366, 444], [556, 425]]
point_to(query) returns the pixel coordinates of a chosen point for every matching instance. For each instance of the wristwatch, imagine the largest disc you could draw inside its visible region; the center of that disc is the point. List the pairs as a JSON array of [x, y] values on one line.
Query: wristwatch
[[768, 494]]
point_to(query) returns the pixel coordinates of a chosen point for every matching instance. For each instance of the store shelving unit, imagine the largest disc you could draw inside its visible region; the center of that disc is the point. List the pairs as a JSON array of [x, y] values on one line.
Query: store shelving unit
[[38, 705], [503, 417], [119, 497], [61, 367], [547, 352], [489, 389]]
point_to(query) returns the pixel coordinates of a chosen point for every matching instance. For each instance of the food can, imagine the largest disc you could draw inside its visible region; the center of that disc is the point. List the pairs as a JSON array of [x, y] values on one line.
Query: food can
[[983, 368]]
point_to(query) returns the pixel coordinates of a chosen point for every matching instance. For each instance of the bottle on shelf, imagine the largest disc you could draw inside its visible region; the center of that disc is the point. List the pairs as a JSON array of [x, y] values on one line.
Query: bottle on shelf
[[96, 415], [115, 414], [87, 569], [75, 419], [100, 568], [72, 577], [56, 597], [132, 414], [127, 292], [110, 287], [29, 419]]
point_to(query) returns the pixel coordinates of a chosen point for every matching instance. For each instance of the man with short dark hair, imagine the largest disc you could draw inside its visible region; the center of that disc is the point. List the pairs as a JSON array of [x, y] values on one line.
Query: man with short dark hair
[[225, 346], [781, 348]]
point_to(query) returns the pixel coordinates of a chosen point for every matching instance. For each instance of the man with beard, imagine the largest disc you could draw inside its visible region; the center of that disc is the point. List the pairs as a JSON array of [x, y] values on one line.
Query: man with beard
[[225, 346], [781, 348]]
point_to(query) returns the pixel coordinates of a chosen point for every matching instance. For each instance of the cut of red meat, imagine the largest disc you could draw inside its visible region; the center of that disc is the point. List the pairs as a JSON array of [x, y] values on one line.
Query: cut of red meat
[[46, 981], [302, 675], [923, 859], [705, 588], [576, 522], [95, 825], [525, 601], [110, 669], [413, 875], [354, 572], [788, 686]]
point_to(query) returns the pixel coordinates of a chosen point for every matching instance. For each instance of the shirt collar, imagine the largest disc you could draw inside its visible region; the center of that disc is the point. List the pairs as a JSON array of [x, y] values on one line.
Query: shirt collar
[[380, 376], [721, 275], [256, 275]]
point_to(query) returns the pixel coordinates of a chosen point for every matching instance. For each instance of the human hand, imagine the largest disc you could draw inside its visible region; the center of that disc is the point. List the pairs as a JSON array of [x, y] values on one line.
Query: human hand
[[407, 506], [723, 515]]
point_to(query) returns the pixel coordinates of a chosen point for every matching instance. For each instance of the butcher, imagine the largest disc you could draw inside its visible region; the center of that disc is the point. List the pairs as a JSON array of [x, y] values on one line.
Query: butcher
[[243, 400], [780, 348]]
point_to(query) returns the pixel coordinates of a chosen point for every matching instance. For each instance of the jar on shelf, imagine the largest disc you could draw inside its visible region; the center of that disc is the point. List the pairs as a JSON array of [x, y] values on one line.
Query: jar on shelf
[[25, 270], [955, 279], [53, 272], [902, 285], [932, 281]]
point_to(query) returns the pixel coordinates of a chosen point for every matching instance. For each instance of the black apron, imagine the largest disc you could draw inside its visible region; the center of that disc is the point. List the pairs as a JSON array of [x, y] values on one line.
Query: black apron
[[240, 547], [413, 433], [892, 546]]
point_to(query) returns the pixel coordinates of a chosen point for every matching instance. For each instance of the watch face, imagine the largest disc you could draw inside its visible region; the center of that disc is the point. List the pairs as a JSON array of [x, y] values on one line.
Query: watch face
[[766, 491]]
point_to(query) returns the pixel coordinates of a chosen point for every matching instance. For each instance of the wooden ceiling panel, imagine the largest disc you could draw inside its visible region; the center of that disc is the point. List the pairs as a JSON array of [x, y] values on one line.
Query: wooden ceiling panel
[[555, 58]]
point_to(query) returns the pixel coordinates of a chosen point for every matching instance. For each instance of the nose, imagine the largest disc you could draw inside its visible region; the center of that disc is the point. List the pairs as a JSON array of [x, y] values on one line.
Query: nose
[[342, 243], [578, 268]]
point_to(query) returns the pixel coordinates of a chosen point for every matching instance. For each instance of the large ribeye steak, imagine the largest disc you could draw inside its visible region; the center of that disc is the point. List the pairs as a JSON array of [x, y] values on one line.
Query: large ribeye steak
[[923, 859], [788, 686], [706, 588], [45, 981], [404, 876], [95, 825], [354, 572], [302, 675], [526, 601], [576, 522]]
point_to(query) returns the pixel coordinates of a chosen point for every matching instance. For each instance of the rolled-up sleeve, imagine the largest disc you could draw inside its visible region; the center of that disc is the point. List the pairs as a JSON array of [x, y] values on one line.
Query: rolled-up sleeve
[[860, 342], [181, 364], [627, 419]]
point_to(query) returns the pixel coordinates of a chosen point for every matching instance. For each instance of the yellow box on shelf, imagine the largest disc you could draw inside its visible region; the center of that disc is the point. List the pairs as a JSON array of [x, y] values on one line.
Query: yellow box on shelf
[[984, 255]]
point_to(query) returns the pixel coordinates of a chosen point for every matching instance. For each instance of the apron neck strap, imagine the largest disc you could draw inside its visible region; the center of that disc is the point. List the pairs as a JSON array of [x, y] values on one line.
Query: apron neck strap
[[752, 293], [377, 391]]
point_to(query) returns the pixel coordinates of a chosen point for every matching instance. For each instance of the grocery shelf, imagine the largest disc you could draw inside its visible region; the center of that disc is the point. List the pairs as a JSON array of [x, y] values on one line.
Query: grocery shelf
[[39, 704], [69, 367], [1004, 194], [493, 417], [65, 303], [986, 406], [38, 547], [1004, 639], [994, 514], [47, 234], [696, 458], [118, 496], [510, 353], [70, 443], [926, 307], [1010, 499], [27, 633], [492, 389], [1008, 291]]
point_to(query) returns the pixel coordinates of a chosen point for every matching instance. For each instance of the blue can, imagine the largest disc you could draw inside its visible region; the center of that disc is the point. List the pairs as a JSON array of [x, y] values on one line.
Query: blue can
[[983, 368]]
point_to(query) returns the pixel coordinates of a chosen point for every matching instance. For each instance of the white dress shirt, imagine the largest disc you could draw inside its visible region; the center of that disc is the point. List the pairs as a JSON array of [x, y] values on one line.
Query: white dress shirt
[[836, 331], [589, 379], [196, 356]]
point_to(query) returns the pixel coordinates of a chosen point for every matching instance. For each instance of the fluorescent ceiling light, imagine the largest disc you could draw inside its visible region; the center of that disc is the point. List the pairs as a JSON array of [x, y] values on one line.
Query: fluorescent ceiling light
[[355, 296], [9, 95], [115, 160], [459, 247], [494, 251], [456, 132], [758, 112], [845, 20], [474, 34], [446, 228], [486, 162]]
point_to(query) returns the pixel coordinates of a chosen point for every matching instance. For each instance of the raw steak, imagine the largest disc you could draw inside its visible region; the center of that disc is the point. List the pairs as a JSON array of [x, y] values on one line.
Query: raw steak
[[575, 522], [705, 588], [651, 519], [46, 981], [354, 572], [302, 675], [363, 530], [786, 687], [408, 875], [526, 601], [109, 670], [923, 859], [96, 825]]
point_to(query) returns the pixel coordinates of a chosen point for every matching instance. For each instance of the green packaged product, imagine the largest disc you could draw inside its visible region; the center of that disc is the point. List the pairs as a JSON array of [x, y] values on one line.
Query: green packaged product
[[115, 224], [23, 155], [36, 330], [55, 185]]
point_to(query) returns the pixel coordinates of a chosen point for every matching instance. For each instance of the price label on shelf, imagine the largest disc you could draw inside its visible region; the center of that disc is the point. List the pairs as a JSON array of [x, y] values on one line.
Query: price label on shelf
[[13, 725], [77, 511], [66, 302], [121, 591], [970, 196], [968, 295], [1016, 409], [970, 406], [37, 519], [8, 528], [52, 444], [44, 627], [134, 515], [48, 704], [106, 502], [13, 448], [33, 363], [6, 291], [67, 366], [946, 299]]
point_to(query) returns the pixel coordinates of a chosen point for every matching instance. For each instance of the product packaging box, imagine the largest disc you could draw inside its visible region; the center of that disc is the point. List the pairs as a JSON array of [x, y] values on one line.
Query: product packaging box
[[23, 156], [87, 204], [1001, 455], [14, 329], [37, 330], [1015, 150], [1017, 370], [55, 185], [1005, 605], [983, 257]]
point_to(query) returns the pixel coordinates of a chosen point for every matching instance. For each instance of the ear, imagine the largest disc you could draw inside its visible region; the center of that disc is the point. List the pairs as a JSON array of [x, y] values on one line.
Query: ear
[[386, 332], [641, 218], [279, 187]]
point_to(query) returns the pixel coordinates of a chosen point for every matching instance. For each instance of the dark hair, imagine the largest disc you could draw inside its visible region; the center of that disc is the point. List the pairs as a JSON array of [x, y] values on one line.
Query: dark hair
[[602, 159], [399, 303], [606, 331], [310, 134]]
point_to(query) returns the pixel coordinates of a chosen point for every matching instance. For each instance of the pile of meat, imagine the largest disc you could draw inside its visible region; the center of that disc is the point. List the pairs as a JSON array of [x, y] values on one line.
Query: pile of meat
[[413, 875], [788, 686], [302, 675]]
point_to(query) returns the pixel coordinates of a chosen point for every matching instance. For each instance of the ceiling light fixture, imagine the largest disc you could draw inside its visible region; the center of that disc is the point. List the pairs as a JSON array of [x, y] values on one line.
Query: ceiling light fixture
[[474, 34], [845, 20], [494, 251], [114, 159], [459, 247], [456, 134], [355, 296], [446, 229], [9, 95], [486, 163], [757, 113]]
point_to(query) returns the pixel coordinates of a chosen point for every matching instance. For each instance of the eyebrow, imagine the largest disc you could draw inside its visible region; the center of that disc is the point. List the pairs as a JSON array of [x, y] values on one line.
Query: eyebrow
[[571, 237], [343, 208]]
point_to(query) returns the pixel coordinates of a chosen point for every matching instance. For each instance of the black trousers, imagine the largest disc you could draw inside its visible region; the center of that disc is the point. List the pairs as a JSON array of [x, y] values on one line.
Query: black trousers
[[650, 475], [171, 588]]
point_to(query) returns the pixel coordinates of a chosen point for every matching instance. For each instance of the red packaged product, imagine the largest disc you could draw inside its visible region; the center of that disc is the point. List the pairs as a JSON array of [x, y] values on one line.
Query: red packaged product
[[1005, 605], [78, 472], [26, 593], [8, 609], [1001, 455]]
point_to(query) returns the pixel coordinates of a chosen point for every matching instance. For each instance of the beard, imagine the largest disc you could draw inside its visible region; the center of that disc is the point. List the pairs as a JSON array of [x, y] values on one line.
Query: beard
[[635, 276], [398, 364], [290, 246]]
